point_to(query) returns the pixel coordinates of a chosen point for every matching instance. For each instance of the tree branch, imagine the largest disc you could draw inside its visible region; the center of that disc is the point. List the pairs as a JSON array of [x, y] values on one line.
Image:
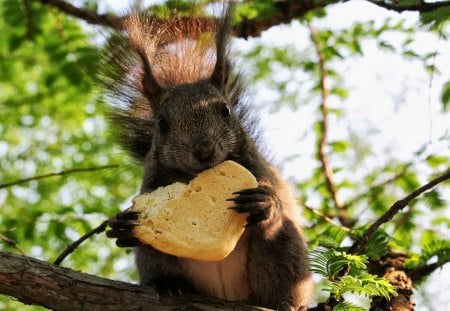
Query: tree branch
[[88, 16], [391, 267], [394, 209], [65, 172], [418, 274], [419, 6], [11, 243], [322, 142], [28, 19], [283, 12], [32, 281], [73, 246]]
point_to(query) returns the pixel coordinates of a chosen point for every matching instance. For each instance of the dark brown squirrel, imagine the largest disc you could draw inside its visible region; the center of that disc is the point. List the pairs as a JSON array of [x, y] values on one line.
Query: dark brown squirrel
[[180, 110]]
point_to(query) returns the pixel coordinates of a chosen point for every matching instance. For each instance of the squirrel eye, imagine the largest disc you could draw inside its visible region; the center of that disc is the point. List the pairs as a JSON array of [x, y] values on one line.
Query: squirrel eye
[[225, 111], [163, 126]]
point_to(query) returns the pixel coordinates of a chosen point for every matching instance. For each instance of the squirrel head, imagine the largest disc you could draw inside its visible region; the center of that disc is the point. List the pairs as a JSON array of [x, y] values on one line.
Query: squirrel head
[[195, 124], [178, 99], [188, 84], [196, 127]]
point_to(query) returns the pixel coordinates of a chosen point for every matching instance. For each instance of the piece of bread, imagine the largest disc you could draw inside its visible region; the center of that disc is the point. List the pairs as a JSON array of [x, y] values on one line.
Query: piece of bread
[[194, 221]]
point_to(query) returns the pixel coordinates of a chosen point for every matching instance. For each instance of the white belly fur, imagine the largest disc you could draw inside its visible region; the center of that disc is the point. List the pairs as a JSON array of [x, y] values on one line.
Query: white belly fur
[[226, 279]]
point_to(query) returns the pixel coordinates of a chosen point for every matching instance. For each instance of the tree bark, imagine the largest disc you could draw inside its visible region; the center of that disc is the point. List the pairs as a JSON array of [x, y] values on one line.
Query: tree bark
[[36, 282]]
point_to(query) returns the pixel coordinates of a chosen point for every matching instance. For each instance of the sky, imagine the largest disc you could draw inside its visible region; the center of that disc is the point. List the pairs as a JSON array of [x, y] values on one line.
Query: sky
[[392, 100]]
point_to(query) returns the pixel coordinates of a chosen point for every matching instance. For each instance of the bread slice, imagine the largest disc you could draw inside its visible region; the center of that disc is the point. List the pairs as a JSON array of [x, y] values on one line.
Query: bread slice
[[194, 221]]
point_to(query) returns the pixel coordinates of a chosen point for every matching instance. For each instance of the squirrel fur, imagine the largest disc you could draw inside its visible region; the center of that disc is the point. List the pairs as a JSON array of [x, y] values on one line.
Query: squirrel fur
[[178, 108]]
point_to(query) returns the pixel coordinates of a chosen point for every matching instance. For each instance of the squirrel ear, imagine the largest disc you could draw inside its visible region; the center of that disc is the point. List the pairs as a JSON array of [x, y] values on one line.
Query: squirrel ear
[[151, 87], [220, 75]]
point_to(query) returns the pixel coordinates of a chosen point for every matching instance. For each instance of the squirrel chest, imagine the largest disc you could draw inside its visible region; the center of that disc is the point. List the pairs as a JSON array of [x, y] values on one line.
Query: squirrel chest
[[226, 279]]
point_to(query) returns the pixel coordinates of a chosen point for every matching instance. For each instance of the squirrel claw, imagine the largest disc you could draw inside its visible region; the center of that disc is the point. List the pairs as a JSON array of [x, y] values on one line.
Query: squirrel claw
[[257, 202], [121, 224], [128, 242], [122, 229], [172, 286], [127, 215]]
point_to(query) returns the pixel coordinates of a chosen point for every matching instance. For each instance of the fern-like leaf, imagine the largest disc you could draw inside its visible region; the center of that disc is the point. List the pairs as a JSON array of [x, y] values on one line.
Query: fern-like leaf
[[377, 246], [439, 248], [329, 263], [347, 306], [368, 285]]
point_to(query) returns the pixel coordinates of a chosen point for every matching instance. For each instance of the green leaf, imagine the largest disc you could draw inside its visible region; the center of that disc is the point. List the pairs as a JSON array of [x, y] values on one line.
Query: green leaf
[[368, 285], [441, 220], [438, 248], [332, 236], [340, 92], [386, 46], [339, 146], [445, 95], [435, 18], [329, 263], [347, 306]]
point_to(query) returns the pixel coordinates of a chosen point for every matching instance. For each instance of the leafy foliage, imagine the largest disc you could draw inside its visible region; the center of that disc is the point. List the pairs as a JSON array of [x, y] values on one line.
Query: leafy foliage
[[436, 248], [368, 285], [347, 306], [331, 263], [445, 97], [377, 246], [52, 121]]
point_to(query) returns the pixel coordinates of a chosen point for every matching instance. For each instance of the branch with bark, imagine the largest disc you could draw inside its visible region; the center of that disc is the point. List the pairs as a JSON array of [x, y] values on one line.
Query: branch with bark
[[418, 6], [86, 15], [35, 282], [393, 210], [282, 12], [392, 266], [322, 141]]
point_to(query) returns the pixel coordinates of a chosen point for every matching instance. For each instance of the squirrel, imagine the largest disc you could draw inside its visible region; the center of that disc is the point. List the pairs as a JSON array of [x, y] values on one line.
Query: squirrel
[[179, 109]]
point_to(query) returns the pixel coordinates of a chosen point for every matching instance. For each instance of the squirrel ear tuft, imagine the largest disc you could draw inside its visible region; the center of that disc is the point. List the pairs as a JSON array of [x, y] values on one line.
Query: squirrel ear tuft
[[151, 87], [221, 73]]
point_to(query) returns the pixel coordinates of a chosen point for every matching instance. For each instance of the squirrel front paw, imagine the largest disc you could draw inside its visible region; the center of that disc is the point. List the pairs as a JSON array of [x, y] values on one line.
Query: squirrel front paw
[[122, 229], [172, 285], [259, 202]]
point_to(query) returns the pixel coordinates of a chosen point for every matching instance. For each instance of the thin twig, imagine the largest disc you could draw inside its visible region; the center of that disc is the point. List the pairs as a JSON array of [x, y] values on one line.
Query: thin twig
[[28, 19], [323, 216], [11, 243], [422, 272], [322, 142], [377, 187], [73, 246], [393, 210], [61, 173]]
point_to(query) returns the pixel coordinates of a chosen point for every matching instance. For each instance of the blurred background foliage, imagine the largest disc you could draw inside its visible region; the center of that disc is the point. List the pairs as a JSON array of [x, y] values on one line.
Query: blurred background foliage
[[52, 121]]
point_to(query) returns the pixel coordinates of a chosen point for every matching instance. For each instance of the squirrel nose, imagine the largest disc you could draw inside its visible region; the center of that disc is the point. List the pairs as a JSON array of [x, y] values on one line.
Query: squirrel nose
[[203, 150]]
